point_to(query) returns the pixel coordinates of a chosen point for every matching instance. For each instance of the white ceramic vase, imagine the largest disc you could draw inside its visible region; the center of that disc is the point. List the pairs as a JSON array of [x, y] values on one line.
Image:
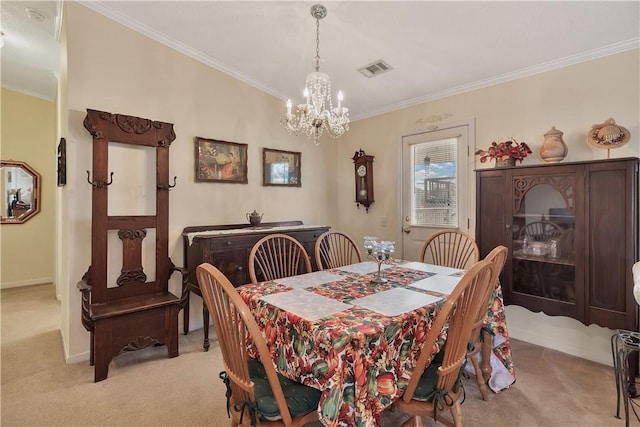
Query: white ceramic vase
[[553, 148]]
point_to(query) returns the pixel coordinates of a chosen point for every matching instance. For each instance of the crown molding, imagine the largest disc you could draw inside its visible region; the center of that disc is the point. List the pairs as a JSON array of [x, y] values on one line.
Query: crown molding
[[102, 8], [555, 64], [46, 96], [57, 26]]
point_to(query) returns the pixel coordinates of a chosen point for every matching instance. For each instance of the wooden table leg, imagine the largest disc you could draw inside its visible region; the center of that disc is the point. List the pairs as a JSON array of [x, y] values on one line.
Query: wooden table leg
[[205, 326], [487, 349], [185, 308]]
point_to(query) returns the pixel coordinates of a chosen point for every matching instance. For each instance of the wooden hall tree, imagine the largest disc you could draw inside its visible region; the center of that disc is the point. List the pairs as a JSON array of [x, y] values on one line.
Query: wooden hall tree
[[131, 313]]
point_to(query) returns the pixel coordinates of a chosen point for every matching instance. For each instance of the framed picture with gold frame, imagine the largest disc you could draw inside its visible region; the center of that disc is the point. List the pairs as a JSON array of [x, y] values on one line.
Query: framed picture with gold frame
[[220, 161], [281, 168]]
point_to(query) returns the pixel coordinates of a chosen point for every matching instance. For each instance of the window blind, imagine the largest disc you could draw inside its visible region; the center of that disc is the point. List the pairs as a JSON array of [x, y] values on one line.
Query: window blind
[[435, 184]]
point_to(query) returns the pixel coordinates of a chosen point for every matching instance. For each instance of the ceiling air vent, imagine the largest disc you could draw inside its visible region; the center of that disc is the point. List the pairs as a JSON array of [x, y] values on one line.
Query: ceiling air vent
[[375, 68], [36, 15]]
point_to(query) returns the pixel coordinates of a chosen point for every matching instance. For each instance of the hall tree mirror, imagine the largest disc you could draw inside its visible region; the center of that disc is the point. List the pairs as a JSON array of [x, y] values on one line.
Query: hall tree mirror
[[20, 188]]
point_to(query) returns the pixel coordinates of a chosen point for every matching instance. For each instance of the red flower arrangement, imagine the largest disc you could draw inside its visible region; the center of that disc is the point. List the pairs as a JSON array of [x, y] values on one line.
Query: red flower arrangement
[[510, 149]]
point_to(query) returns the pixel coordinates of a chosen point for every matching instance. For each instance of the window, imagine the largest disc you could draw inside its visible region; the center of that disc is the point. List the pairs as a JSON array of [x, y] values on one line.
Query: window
[[435, 201]]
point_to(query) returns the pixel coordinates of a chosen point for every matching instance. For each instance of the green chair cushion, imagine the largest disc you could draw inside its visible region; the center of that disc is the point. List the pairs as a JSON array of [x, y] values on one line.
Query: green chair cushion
[[427, 385], [300, 398]]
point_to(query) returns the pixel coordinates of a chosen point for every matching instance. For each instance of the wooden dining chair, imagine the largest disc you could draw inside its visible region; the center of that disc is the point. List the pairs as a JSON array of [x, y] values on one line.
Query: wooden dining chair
[[435, 389], [450, 248], [540, 231], [497, 256], [256, 393], [334, 249], [276, 256]]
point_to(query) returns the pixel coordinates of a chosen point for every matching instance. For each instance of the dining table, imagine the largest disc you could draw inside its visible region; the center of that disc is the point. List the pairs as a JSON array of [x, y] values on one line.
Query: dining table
[[355, 332]]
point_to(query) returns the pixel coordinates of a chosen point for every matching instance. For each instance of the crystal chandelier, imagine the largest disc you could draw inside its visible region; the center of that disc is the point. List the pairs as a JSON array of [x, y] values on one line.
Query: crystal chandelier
[[317, 113]]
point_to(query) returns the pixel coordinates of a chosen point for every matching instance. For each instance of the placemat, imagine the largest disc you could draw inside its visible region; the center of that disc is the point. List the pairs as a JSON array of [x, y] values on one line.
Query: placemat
[[307, 305], [396, 301], [438, 283], [310, 280], [431, 268]]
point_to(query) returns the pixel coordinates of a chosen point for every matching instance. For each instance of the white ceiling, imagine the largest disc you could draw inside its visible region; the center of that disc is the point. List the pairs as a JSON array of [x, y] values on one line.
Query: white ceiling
[[435, 48], [30, 55]]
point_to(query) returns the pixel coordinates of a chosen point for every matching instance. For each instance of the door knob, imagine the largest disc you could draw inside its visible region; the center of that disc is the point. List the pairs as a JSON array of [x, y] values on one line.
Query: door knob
[[406, 230]]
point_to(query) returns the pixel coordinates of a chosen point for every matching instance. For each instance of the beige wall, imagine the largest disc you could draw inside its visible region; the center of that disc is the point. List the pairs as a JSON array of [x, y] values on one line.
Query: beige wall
[[114, 69], [572, 99], [29, 135], [111, 68], [62, 259]]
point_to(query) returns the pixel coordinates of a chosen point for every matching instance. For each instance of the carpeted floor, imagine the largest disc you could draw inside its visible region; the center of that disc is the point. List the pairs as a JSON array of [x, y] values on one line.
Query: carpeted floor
[[147, 389]]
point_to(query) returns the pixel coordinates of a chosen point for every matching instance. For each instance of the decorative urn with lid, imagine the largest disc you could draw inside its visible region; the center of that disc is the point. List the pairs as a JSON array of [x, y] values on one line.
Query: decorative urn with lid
[[254, 218], [553, 149]]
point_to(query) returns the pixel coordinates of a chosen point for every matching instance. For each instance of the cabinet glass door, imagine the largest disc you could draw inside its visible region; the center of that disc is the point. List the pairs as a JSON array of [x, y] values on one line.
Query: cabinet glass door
[[544, 256]]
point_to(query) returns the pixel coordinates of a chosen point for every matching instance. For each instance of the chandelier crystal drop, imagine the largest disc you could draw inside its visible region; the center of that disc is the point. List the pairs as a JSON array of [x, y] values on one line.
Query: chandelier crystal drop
[[317, 113]]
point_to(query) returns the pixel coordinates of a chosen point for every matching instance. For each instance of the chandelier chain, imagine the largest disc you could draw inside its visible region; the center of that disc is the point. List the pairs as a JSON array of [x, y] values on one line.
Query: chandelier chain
[[317, 44]]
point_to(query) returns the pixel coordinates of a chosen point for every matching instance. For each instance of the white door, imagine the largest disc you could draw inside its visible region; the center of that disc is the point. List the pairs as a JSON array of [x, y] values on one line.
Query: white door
[[436, 185]]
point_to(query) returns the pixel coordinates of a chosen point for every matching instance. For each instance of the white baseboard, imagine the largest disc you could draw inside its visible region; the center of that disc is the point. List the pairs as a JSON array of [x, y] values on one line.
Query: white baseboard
[[30, 282], [77, 358], [560, 333]]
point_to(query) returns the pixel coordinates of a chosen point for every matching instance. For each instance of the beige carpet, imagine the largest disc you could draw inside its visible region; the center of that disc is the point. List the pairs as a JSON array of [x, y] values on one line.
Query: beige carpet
[[147, 389]]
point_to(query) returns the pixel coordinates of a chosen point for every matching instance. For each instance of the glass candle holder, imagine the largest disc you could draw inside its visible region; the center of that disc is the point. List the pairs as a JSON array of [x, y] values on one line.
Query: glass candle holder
[[380, 252]]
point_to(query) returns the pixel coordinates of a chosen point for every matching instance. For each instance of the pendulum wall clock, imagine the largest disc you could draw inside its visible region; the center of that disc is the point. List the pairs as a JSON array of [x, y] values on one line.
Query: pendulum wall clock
[[364, 179]]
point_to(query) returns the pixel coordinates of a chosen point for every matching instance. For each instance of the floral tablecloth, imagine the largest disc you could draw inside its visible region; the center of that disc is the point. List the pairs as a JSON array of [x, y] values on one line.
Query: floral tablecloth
[[327, 330]]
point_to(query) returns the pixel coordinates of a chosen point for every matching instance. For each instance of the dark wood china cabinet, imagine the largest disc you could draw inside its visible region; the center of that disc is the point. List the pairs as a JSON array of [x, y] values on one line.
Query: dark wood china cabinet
[[572, 234]]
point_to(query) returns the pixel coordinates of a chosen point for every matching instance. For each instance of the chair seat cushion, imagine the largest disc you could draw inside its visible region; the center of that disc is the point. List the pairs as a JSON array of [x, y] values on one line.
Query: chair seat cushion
[[427, 384], [300, 398]]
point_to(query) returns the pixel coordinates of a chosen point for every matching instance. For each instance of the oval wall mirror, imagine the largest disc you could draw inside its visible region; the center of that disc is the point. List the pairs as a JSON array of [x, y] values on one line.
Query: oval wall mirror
[[20, 189]]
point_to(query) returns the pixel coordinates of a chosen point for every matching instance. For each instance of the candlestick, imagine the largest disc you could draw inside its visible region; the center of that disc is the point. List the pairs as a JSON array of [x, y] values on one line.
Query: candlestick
[[379, 252]]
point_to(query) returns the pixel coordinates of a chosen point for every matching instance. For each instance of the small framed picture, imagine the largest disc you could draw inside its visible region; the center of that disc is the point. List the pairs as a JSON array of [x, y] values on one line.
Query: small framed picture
[[220, 161], [281, 168]]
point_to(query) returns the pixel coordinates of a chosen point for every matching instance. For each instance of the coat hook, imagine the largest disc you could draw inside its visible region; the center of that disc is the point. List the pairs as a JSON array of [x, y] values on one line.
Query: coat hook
[[168, 187], [98, 184]]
